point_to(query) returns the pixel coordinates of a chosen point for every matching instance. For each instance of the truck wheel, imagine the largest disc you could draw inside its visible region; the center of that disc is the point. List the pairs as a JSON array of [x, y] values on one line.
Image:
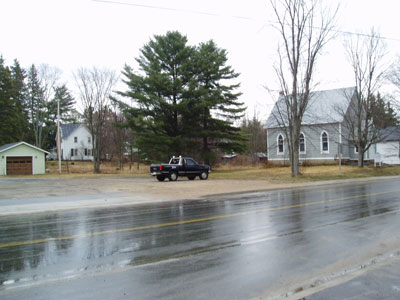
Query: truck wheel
[[203, 175], [191, 177], [173, 176], [160, 177]]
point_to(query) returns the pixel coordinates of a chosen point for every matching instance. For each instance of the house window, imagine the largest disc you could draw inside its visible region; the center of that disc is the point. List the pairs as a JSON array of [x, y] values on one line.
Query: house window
[[76, 152], [302, 143], [75, 139], [280, 143], [89, 152], [324, 142], [89, 140], [72, 152], [86, 152], [355, 149]]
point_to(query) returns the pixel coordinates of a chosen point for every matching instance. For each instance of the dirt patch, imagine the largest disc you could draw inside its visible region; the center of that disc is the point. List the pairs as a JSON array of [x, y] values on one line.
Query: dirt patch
[[185, 189], [14, 188], [182, 189]]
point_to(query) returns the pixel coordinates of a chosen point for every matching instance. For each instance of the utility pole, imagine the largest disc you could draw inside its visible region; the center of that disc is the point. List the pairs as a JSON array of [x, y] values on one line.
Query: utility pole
[[340, 149], [340, 159], [58, 137]]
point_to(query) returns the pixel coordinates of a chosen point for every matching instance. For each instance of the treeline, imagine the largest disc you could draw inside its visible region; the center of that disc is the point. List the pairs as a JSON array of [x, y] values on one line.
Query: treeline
[[181, 100], [28, 104]]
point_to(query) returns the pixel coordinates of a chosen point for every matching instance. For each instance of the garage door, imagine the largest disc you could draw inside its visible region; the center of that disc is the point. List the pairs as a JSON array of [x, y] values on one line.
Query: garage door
[[19, 165]]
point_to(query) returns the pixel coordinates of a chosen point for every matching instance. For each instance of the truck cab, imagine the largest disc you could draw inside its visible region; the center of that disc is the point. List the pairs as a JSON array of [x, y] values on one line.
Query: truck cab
[[180, 166]]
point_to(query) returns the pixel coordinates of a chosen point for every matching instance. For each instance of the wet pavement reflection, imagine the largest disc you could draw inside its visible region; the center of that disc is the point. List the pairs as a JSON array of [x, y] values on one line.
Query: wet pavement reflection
[[246, 235]]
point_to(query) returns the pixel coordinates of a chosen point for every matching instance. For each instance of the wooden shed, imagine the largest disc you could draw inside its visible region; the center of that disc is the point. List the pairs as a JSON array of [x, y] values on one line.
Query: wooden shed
[[22, 159]]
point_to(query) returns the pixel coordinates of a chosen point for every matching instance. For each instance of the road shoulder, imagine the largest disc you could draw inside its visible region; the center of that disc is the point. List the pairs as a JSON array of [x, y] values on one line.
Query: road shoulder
[[22, 195]]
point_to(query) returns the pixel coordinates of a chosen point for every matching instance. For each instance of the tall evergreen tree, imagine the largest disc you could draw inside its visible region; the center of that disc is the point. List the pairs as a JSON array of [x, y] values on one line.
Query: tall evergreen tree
[[158, 91], [13, 106], [183, 99], [7, 134], [214, 103], [383, 113], [67, 103], [21, 106]]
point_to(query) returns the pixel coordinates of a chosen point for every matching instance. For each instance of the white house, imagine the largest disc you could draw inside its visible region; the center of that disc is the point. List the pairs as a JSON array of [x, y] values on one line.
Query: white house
[[388, 149], [76, 142]]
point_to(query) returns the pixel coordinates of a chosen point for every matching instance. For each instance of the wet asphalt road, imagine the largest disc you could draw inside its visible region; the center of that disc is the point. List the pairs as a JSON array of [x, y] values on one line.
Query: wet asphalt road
[[380, 283], [243, 246]]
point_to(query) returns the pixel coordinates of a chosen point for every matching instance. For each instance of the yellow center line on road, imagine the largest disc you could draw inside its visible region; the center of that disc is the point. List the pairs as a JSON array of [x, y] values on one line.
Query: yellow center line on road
[[198, 220]]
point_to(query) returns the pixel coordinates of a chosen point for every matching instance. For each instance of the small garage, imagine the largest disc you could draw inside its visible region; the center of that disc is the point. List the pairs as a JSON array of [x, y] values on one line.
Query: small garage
[[22, 159]]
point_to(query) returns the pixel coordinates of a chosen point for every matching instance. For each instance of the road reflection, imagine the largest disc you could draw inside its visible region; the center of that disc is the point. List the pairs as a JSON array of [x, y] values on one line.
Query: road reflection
[[68, 244]]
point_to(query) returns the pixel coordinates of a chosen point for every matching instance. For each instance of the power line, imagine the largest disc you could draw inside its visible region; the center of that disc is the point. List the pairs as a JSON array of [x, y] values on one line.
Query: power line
[[367, 35], [170, 9], [191, 11]]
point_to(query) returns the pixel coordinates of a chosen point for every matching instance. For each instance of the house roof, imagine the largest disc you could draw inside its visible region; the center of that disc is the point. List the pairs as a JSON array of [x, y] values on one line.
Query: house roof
[[262, 155], [229, 156], [324, 107], [13, 145], [390, 133], [68, 129]]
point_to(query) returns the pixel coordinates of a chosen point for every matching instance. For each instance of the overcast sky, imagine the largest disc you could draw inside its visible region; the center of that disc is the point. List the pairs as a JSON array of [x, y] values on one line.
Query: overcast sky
[[69, 34]]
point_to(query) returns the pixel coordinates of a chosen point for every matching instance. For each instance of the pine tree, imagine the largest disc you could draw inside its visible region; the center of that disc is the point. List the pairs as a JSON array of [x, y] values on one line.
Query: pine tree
[[21, 106], [383, 113], [7, 134], [214, 103], [184, 103], [67, 103], [158, 92]]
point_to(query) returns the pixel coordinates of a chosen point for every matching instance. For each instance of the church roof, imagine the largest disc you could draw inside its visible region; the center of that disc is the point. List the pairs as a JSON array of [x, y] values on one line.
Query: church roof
[[324, 107]]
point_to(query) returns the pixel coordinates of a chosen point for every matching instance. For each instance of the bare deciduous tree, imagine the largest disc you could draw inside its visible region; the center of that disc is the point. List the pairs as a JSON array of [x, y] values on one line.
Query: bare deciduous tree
[[305, 27], [365, 54], [48, 78], [41, 84], [257, 137], [393, 76], [119, 134], [95, 87], [115, 135]]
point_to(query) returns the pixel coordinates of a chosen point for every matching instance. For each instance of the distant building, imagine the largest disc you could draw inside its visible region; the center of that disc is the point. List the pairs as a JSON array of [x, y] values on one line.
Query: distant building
[[388, 148], [76, 142], [262, 157], [229, 158]]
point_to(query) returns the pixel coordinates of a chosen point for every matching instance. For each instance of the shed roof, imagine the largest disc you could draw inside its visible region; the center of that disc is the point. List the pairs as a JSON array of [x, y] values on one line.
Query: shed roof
[[324, 107], [13, 145], [389, 134]]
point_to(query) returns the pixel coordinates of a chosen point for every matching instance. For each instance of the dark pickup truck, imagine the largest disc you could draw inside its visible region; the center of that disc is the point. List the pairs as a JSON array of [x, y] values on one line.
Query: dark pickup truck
[[180, 166]]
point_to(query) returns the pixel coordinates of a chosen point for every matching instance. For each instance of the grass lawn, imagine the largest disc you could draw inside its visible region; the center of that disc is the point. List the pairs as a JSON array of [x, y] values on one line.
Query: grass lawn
[[310, 173], [85, 169], [273, 174]]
